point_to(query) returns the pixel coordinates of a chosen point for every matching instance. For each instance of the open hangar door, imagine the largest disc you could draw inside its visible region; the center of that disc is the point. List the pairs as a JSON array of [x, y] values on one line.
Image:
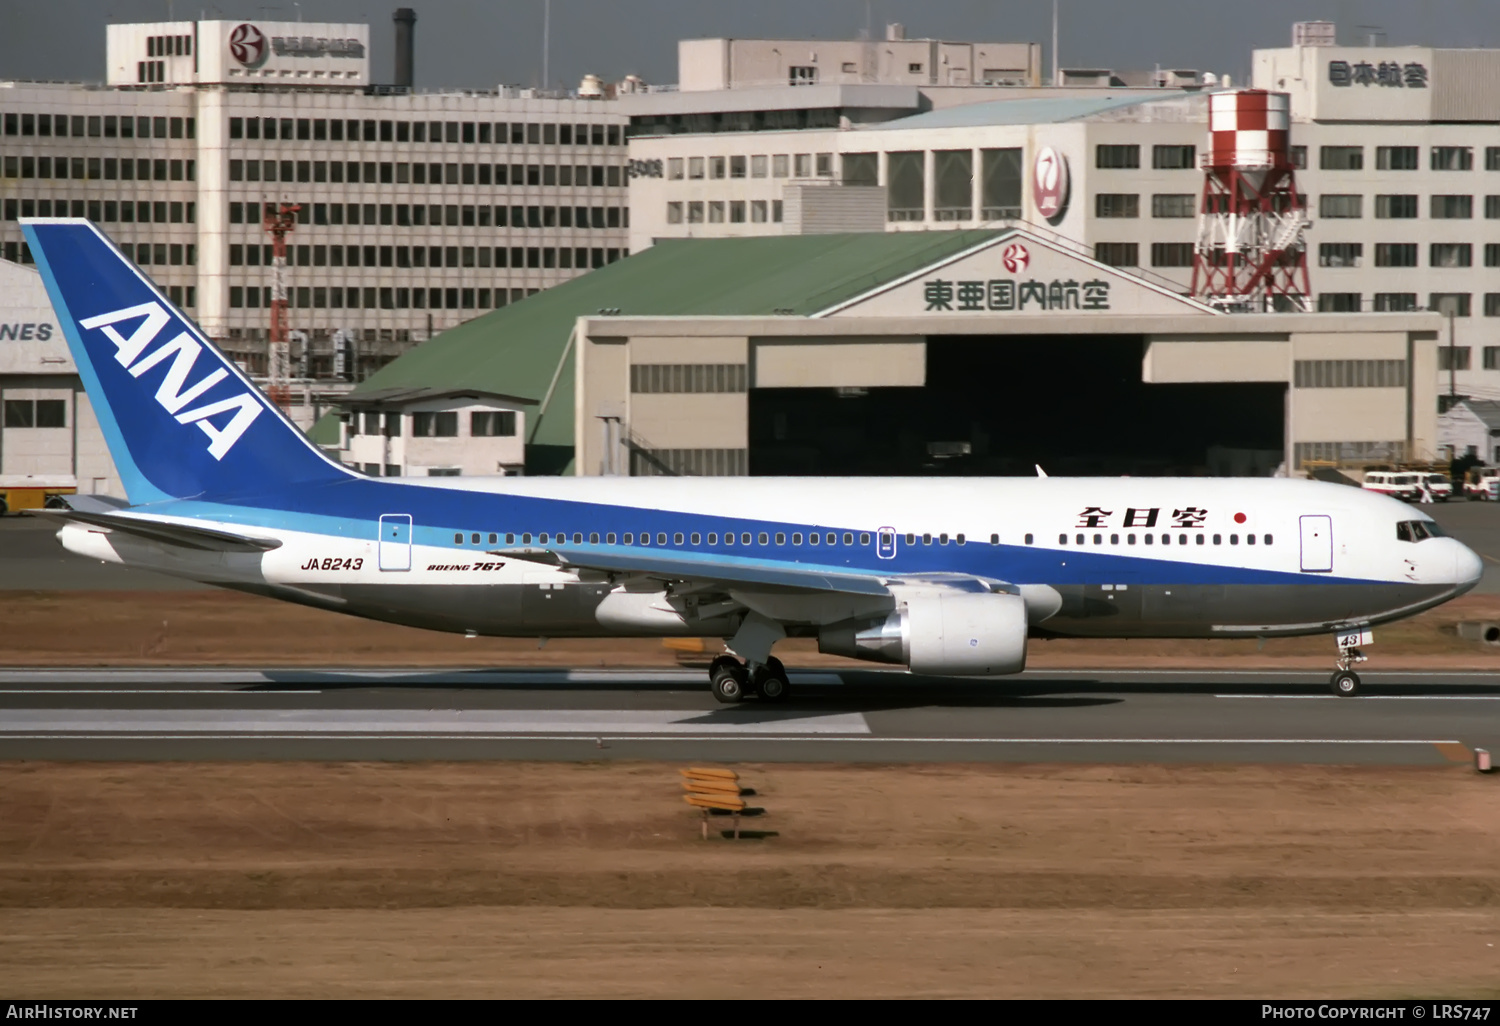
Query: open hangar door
[[1000, 405]]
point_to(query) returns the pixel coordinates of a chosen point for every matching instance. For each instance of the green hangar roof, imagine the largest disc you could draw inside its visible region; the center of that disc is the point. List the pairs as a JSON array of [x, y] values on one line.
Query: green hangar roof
[[522, 349]]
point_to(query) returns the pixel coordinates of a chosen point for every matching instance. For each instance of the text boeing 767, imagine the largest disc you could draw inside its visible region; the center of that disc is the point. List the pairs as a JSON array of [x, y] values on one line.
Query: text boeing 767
[[947, 576]]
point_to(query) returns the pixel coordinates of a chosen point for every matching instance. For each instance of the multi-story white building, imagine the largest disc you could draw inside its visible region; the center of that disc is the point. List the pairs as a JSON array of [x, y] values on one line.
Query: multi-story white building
[[418, 210], [1398, 150]]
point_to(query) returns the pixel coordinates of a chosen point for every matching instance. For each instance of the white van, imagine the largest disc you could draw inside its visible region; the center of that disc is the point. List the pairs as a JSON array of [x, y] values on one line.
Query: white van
[[1440, 485], [1400, 484]]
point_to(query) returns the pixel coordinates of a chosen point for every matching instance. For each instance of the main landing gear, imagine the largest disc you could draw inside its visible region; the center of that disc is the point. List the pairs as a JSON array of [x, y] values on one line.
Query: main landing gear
[[1345, 682], [733, 681]]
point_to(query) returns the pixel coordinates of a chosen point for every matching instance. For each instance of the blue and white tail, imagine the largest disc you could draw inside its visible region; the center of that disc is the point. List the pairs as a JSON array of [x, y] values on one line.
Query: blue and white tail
[[180, 419]]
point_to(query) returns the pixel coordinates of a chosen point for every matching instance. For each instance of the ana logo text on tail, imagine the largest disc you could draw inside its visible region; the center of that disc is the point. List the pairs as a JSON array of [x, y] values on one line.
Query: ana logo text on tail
[[174, 392]]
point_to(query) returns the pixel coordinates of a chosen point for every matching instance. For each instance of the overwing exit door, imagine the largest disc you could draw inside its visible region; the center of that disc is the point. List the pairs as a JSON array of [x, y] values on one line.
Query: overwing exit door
[[1317, 543], [395, 541]]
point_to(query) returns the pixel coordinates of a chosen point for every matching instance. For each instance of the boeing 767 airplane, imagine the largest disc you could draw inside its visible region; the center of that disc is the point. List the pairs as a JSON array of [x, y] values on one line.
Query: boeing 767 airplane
[[946, 576]]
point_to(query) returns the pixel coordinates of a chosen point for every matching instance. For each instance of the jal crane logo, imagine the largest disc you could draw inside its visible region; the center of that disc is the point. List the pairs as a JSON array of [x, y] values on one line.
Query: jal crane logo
[[1049, 185], [1015, 257], [247, 44]]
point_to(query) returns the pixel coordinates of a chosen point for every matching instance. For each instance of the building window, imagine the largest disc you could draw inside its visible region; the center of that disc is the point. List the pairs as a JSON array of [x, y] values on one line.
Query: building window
[[431, 425], [492, 424], [1108, 156], [1174, 157], [1118, 254], [1338, 302], [802, 165], [1340, 254], [776, 211], [1492, 357], [674, 213], [696, 167], [1172, 204], [1117, 204], [717, 167], [758, 166], [716, 212], [780, 162], [674, 168], [1452, 158], [1452, 207], [36, 413], [736, 211], [824, 164], [1491, 307], [677, 378], [1349, 374], [1395, 302], [1346, 205], [1395, 254], [758, 211], [1396, 158], [1492, 158], [1171, 254], [1454, 358], [1341, 158], [1492, 254], [1396, 206], [695, 212], [802, 75], [1299, 157], [694, 462], [1492, 207], [736, 167], [1451, 254], [1445, 302]]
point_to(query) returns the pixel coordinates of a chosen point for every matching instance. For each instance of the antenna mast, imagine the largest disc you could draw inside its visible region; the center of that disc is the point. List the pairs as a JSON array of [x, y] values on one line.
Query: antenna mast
[[278, 223]]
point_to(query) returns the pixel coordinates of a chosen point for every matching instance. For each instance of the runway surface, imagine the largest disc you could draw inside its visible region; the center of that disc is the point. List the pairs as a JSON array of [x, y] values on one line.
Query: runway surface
[[854, 716]]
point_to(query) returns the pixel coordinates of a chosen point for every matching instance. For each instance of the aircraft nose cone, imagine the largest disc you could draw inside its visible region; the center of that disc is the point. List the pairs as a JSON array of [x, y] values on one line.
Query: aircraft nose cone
[[1467, 566]]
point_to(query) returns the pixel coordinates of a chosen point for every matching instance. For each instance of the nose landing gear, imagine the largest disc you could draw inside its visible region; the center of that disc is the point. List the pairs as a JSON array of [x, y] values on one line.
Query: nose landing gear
[[1345, 682]]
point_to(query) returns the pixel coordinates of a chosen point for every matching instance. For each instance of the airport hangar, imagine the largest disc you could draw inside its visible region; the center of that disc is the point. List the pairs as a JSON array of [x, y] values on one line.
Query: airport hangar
[[985, 351]]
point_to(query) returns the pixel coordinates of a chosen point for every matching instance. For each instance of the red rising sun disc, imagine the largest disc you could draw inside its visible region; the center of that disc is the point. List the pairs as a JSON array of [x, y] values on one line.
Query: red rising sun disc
[[1239, 518]]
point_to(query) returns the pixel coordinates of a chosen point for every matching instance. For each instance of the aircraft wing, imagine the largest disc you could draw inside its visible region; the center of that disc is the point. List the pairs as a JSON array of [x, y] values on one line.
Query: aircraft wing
[[733, 573], [727, 572], [189, 536]]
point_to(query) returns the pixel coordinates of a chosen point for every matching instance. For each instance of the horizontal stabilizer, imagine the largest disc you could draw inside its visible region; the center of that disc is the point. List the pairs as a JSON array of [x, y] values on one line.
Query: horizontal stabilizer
[[187, 536]]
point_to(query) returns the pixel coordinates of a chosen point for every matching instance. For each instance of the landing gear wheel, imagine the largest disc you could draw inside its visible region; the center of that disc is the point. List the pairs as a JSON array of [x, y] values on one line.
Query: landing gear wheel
[[771, 681], [728, 682], [1344, 683]]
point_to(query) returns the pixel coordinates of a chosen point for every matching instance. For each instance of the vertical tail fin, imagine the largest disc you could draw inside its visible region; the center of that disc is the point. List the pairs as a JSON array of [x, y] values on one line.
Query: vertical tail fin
[[180, 419]]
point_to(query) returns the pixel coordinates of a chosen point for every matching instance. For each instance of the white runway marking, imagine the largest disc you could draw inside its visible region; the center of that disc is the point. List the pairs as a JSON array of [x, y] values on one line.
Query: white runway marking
[[423, 722], [480, 735]]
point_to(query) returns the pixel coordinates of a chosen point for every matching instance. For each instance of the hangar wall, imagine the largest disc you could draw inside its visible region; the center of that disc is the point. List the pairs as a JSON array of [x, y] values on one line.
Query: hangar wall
[[1322, 419]]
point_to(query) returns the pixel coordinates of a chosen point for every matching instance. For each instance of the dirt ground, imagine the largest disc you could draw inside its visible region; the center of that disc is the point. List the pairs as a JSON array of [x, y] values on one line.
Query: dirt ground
[[518, 879], [222, 628]]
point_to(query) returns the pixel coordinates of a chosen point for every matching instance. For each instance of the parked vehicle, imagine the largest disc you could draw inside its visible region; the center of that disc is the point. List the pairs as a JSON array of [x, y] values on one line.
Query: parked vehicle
[[33, 491], [1401, 484], [1482, 483]]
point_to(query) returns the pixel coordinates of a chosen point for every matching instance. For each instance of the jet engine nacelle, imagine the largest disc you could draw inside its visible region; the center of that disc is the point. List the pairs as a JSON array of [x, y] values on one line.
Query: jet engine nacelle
[[940, 634]]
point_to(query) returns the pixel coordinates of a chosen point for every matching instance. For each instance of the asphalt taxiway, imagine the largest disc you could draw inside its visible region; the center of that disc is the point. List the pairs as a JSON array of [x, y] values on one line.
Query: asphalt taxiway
[[1154, 716]]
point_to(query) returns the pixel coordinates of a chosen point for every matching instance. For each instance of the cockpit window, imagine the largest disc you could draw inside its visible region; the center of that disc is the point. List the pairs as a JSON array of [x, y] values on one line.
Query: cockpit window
[[1417, 530]]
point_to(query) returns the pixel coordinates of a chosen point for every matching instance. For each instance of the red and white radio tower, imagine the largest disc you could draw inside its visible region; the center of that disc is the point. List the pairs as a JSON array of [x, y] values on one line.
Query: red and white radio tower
[[1251, 255], [278, 222]]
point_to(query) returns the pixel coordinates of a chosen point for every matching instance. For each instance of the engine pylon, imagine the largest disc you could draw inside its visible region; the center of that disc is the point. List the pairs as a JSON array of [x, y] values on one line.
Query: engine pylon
[[1251, 254]]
